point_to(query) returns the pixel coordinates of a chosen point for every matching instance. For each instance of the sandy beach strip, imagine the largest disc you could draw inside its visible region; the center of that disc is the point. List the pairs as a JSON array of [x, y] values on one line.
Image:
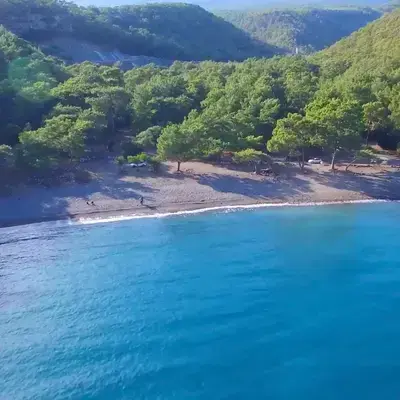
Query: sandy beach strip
[[200, 186], [168, 210]]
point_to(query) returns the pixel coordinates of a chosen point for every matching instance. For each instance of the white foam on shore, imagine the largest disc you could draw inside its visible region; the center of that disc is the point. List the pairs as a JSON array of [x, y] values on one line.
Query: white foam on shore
[[227, 208]]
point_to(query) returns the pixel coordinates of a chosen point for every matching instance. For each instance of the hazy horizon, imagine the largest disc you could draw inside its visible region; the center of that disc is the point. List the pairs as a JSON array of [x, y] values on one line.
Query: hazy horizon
[[237, 4]]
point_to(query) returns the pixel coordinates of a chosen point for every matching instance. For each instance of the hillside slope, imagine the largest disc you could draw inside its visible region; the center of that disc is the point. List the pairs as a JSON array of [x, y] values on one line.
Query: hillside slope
[[26, 79], [365, 68], [374, 48], [305, 29], [169, 31]]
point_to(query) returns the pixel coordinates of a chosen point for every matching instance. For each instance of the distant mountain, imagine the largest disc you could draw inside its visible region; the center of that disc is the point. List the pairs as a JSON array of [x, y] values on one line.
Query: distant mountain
[[305, 29], [240, 4], [167, 31]]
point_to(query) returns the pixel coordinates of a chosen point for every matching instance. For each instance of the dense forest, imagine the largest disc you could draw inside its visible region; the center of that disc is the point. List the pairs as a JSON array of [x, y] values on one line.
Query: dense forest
[[240, 4], [169, 31], [335, 101], [176, 31], [306, 29]]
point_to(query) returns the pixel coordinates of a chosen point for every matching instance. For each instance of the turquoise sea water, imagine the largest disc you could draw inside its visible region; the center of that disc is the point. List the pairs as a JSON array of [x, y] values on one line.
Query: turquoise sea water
[[285, 303]]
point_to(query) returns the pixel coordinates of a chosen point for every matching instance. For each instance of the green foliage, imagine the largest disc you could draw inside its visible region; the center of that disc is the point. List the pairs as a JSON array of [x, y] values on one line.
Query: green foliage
[[169, 31], [163, 97], [394, 106], [26, 80], [149, 137], [176, 144], [367, 153], [130, 148], [154, 163], [291, 29], [120, 160], [338, 124], [139, 158], [293, 135], [61, 136], [375, 116], [7, 157], [372, 53], [365, 68], [102, 90], [247, 156], [50, 113]]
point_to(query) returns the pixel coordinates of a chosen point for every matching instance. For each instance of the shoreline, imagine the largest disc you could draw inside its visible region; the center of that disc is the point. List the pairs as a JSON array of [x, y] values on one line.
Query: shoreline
[[230, 207], [200, 188], [127, 214]]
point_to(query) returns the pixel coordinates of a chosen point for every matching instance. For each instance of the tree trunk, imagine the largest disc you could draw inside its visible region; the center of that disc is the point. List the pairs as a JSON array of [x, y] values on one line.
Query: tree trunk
[[333, 160], [367, 140], [179, 166], [350, 163], [302, 162], [110, 121]]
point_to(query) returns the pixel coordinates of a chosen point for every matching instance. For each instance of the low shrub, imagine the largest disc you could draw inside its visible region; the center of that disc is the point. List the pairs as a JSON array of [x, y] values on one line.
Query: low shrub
[[120, 160], [139, 158], [155, 163]]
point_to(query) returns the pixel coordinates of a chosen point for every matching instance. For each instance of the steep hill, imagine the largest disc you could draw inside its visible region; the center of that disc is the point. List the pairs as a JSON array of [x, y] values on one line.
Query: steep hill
[[305, 29], [26, 79], [365, 68], [374, 48], [169, 31]]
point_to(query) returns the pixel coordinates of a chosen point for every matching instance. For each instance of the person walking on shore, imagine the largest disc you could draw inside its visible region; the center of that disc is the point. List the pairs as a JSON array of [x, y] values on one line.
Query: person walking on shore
[[141, 200]]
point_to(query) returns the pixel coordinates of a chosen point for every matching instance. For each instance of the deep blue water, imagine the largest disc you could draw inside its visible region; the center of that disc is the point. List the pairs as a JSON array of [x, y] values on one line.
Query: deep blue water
[[289, 303]]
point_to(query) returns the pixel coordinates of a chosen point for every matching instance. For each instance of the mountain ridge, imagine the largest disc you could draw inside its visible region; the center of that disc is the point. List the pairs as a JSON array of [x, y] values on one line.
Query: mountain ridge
[[240, 4], [169, 31], [305, 29]]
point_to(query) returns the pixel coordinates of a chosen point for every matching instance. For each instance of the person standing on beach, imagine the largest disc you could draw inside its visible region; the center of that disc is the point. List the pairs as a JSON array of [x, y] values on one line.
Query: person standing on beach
[[141, 200]]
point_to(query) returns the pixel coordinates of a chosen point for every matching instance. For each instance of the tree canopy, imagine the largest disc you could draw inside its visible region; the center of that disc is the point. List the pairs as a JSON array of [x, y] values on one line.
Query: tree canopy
[[334, 100]]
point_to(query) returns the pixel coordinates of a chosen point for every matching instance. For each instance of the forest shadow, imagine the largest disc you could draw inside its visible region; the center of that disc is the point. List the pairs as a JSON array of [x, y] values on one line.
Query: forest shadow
[[258, 189], [150, 207], [379, 186], [167, 171], [42, 202]]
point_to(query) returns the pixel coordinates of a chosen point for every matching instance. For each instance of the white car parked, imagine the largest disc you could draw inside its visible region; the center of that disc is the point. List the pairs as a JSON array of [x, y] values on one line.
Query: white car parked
[[142, 164], [315, 161]]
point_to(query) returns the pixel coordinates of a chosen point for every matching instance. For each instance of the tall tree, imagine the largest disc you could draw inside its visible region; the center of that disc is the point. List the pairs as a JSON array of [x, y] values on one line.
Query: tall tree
[[112, 101], [61, 136], [293, 134], [375, 116], [176, 144], [339, 124]]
